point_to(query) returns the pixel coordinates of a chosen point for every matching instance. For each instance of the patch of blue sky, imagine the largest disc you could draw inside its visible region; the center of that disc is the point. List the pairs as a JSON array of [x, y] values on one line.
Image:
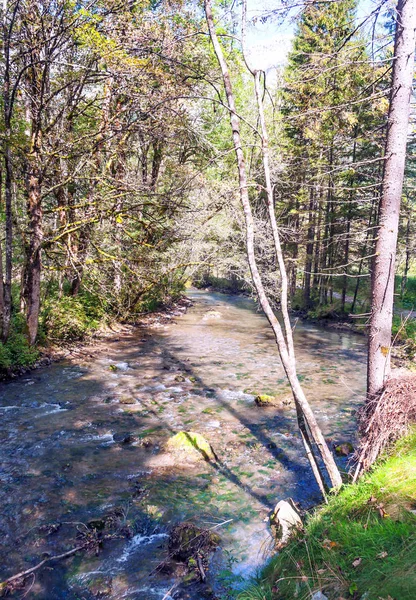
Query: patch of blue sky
[[272, 24]]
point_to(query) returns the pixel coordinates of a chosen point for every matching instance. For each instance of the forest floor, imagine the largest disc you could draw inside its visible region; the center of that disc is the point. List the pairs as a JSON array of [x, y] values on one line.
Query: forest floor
[[362, 545]]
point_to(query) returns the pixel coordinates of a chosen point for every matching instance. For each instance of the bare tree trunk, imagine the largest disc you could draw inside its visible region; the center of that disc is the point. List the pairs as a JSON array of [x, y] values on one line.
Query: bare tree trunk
[[285, 346], [1, 268], [403, 283], [348, 231], [8, 25], [33, 250], [382, 285], [309, 250]]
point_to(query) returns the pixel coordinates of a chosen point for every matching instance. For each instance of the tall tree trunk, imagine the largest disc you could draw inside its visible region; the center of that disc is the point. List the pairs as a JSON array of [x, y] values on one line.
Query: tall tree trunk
[[309, 250], [34, 248], [348, 230], [285, 346], [371, 218], [382, 285], [8, 196], [403, 283], [8, 25]]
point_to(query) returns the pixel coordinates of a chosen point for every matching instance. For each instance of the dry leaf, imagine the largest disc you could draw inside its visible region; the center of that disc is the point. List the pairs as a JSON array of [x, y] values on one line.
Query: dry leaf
[[382, 554], [329, 545]]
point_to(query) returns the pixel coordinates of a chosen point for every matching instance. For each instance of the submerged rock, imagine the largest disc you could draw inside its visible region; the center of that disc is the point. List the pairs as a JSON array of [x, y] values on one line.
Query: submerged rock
[[211, 314], [191, 446], [123, 438], [318, 596], [101, 586], [187, 540], [266, 400], [284, 520], [344, 449], [127, 400]]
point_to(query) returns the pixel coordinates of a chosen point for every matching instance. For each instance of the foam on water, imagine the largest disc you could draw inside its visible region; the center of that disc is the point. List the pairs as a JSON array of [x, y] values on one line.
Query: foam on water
[[137, 541]]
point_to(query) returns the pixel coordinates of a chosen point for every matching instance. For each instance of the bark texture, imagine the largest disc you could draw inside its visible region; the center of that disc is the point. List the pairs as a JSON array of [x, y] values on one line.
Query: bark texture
[[382, 288]]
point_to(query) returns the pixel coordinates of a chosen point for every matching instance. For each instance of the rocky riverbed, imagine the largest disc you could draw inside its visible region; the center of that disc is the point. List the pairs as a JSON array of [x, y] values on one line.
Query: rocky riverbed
[[85, 449]]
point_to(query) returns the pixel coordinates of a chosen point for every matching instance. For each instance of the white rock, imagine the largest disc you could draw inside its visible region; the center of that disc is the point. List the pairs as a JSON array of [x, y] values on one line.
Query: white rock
[[286, 518], [319, 596]]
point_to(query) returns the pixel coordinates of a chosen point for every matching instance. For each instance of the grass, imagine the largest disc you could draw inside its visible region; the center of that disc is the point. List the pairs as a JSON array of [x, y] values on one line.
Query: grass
[[362, 544]]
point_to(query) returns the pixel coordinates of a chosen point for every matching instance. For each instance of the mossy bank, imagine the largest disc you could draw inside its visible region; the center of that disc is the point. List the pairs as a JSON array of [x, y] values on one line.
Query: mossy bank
[[362, 545]]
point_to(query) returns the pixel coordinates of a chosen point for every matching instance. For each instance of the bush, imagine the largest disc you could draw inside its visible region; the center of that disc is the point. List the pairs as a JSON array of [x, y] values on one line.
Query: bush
[[71, 318], [404, 331], [16, 352]]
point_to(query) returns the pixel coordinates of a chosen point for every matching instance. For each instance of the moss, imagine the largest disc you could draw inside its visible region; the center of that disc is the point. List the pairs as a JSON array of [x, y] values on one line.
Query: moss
[[192, 444], [362, 542], [127, 400], [265, 400]]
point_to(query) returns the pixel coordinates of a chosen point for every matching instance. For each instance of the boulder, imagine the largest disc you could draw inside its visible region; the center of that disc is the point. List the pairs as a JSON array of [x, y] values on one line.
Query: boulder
[[190, 446], [284, 520]]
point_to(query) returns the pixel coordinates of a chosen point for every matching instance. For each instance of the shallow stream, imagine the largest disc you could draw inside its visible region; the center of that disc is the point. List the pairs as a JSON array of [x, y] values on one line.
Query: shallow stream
[[63, 460]]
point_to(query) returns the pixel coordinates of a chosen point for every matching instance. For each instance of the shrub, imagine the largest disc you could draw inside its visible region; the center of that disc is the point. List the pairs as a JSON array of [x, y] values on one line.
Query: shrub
[[16, 352], [71, 318]]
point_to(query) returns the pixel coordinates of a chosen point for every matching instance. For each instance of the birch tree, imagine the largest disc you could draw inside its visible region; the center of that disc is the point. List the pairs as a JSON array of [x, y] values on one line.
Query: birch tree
[[283, 335]]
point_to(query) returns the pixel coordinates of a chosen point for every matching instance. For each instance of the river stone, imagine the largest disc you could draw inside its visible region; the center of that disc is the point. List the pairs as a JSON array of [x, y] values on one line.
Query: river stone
[[123, 438], [211, 314], [319, 596], [127, 400], [101, 586], [344, 449], [266, 400], [285, 519], [190, 446]]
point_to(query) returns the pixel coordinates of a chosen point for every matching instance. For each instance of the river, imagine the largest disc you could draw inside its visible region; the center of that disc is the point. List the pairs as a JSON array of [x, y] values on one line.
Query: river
[[200, 372]]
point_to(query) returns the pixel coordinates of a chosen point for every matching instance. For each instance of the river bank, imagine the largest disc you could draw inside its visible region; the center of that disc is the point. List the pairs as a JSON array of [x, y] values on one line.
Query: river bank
[[49, 352], [362, 545]]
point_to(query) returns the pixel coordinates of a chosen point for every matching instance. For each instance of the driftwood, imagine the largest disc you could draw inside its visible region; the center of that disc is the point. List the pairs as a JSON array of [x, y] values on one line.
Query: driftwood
[[89, 538], [201, 569], [9, 584]]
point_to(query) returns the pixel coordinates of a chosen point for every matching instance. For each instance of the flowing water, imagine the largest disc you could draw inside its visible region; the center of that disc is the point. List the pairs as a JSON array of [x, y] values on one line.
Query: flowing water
[[62, 460]]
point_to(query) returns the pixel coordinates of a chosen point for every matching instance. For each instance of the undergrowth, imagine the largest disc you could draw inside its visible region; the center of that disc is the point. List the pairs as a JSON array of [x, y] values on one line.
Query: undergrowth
[[16, 352], [361, 545]]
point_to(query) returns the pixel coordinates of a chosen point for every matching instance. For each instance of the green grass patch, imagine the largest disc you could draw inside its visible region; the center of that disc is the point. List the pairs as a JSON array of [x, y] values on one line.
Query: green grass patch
[[362, 542]]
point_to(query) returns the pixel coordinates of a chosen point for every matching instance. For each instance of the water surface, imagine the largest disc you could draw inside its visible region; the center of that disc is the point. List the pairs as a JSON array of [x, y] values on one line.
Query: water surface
[[198, 372]]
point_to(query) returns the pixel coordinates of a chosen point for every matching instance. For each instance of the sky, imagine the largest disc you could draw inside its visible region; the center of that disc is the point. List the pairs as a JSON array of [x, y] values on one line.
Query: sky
[[268, 42]]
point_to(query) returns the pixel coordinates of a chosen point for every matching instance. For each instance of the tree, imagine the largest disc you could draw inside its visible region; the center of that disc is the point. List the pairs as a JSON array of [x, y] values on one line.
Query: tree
[[283, 336], [382, 285]]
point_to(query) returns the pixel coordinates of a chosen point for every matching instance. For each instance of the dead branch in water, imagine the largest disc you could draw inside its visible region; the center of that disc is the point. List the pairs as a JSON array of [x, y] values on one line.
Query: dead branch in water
[[385, 418], [8, 585]]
